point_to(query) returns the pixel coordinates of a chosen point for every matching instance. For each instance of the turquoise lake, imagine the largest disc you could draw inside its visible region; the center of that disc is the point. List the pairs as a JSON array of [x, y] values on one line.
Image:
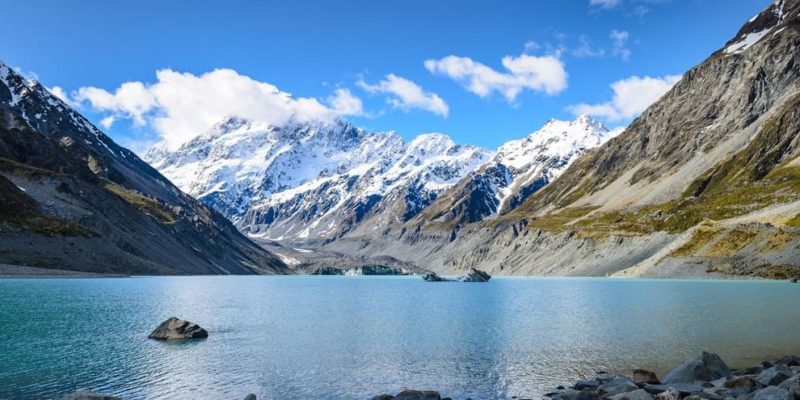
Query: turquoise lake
[[355, 337]]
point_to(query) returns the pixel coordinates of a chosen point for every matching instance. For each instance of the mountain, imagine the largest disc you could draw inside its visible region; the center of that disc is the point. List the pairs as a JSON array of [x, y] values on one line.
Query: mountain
[[73, 199], [706, 181], [518, 169], [312, 182]]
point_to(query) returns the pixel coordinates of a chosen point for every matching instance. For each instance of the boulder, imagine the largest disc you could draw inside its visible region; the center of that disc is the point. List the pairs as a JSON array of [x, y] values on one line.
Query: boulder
[[669, 394], [250, 396], [684, 389], [616, 386], [705, 367], [383, 397], [792, 381], [591, 384], [637, 394], [572, 394], [174, 329], [475, 275], [791, 361], [774, 376], [418, 395], [641, 376], [772, 393], [86, 395]]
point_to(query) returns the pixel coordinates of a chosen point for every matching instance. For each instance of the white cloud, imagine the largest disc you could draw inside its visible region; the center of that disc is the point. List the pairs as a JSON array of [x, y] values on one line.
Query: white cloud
[[407, 95], [631, 96], [585, 49], [59, 92], [605, 3], [179, 106], [619, 39], [543, 73], [108, 121]]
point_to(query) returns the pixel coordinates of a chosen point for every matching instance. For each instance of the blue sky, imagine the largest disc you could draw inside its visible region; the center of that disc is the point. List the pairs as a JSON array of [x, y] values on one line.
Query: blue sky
[[359, 59]]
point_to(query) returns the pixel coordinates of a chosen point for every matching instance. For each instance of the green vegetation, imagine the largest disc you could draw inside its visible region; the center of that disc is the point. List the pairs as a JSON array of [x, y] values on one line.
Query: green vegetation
[[143, 203], [700, 238]]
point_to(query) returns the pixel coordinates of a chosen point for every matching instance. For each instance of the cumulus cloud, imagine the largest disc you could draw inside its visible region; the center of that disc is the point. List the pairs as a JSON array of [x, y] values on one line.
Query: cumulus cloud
[[407, 95], [631, 96], [537, 73], [619, 40], [179, 105]]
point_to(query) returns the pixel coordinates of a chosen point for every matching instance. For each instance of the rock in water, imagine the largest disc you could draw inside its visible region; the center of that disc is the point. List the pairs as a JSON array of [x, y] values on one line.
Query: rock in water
[[250, 397], [85, 395], [475, 275], [432, 277], [175, 328], [775, 375], [418, 395], [705, 367], [772, 393]]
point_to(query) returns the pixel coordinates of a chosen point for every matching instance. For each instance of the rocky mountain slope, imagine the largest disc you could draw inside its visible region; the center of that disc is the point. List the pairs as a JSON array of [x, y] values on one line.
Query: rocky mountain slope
[[72, 199], [313, 182], [518, 169], [705, 182]]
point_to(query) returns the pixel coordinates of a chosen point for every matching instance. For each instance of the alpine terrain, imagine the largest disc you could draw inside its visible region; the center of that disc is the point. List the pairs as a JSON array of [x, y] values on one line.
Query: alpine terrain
[[72, 199], [705, 182]]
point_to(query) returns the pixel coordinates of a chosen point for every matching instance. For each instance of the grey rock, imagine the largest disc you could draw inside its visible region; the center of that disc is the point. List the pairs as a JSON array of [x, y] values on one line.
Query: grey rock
[[794, 380], [86, 395], [572, 394], [591, 384], [383, 397], [705, 367], [772, 393], [475, 275], [418, 395], [616, 386], [174, 329], [748, 382], [638, 394], [433, 277], [774, 376], [792, 361], [641, 376], [684, 389], [669, 394], [250, 396]]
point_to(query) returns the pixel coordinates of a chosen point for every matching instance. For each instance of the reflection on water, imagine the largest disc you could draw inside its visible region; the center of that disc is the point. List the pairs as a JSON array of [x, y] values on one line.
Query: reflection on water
[[354, 337]]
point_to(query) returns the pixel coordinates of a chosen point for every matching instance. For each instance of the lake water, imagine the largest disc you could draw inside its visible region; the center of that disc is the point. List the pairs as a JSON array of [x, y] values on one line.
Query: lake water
[[354, 337]]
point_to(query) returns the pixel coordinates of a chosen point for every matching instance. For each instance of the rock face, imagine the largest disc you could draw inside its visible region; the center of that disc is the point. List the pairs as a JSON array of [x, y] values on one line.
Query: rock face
[[475, 275], [705, 367], [84, 203], [643, 376], [176, 329]]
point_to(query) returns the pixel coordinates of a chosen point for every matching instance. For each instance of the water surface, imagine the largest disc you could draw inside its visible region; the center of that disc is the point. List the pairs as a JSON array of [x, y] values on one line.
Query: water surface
[[355, 337]]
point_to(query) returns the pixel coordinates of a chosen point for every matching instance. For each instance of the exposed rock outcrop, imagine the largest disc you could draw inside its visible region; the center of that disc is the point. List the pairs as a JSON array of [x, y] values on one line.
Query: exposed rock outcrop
[[176, 329]]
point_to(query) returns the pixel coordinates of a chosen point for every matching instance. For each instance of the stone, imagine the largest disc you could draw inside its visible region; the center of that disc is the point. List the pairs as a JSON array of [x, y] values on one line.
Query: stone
[[383, 397], [772, 393], [250, 396], [794, 380], [616, 386], [86, 395], [705, 367], [591, 384], [684, 389], [572, 394], [774, 376], [418, 395], [641, 376], [432, 277], [638, 394], [175, 329], [748, 382], [669, 394], [792, 361], [475, 275]]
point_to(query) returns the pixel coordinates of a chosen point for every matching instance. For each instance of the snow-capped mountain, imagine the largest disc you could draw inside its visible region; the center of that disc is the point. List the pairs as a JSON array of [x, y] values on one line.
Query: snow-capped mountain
[[518, 169], [314, 181]]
